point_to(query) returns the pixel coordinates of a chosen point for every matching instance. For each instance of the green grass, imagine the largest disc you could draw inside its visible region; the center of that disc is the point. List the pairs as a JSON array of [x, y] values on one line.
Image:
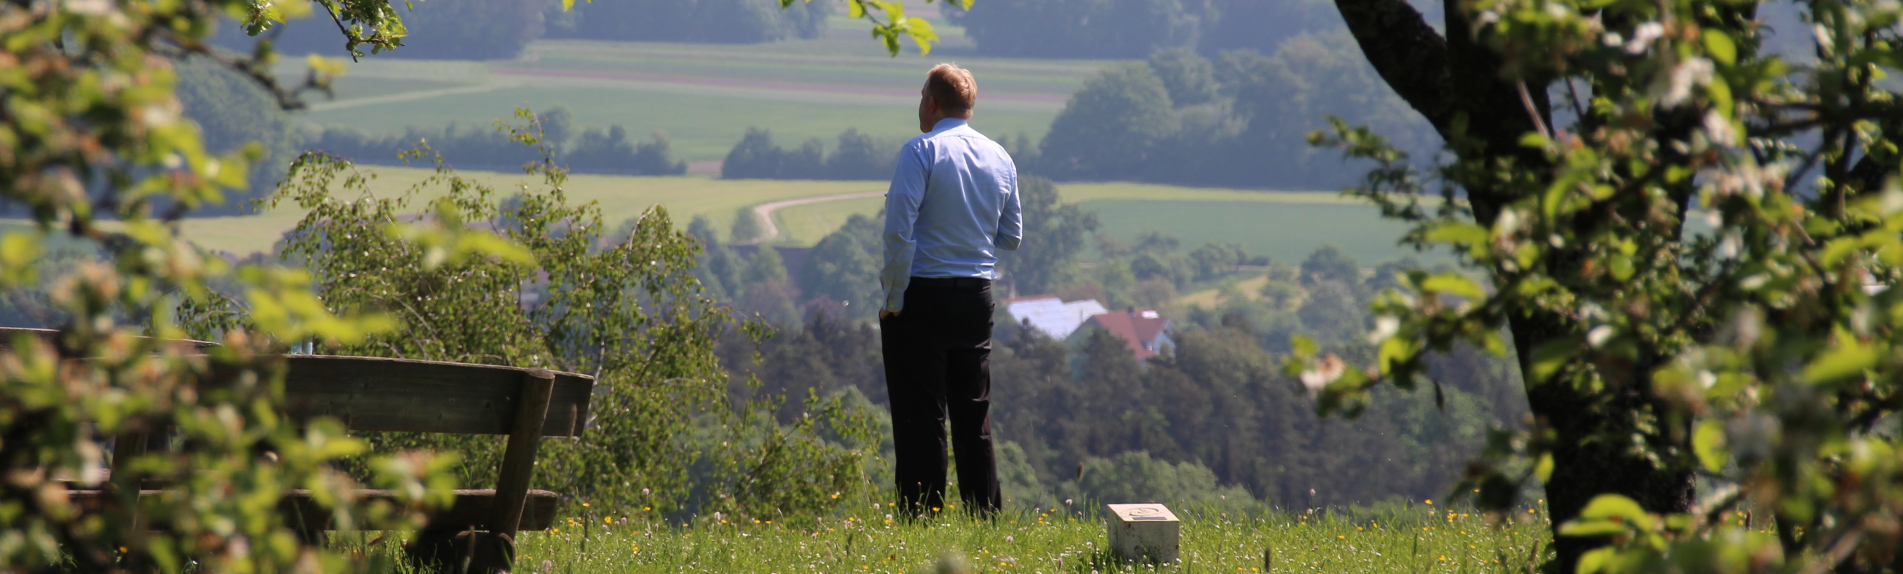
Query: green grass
[[621, 197], [1287, 226], [703, 96], [702, 124], [1417, 541]]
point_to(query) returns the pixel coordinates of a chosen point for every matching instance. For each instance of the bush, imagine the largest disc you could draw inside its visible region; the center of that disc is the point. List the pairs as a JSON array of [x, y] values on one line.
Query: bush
[[858, 156], [594, 151], [710, 21]]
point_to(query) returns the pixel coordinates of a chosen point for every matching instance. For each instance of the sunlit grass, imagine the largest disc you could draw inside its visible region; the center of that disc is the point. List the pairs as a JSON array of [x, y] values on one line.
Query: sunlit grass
[[1421, 539]]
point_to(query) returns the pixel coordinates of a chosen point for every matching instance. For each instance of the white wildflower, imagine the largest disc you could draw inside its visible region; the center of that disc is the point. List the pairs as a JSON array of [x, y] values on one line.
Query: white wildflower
[[1599, 335], [1719, 129], [1325, 370], [1693, 72], [1385, 326], [1643, 35]]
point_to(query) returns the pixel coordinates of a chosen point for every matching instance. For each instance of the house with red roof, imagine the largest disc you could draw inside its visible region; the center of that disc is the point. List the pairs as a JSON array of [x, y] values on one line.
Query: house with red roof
[[1146, 333]]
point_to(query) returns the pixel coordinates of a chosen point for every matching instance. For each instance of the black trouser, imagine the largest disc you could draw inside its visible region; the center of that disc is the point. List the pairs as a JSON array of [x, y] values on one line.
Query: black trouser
[[938, 361]]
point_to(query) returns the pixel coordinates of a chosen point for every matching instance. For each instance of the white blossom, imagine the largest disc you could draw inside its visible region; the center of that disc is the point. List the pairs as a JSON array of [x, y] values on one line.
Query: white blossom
[[1643, 36]]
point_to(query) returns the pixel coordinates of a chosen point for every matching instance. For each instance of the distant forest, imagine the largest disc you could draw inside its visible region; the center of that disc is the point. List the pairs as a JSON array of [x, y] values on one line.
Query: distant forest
[[500, 29]]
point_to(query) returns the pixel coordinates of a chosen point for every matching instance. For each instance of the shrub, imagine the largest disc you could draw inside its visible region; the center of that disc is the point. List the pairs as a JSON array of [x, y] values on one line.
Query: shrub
[[858, 156]]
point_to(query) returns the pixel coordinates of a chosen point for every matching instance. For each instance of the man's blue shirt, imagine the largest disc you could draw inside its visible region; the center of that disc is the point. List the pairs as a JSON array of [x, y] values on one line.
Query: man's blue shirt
[[953, 204]]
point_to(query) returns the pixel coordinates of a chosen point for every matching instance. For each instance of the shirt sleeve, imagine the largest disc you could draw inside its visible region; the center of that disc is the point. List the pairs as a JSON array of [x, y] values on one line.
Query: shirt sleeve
[[1010, 219], [901, 215]]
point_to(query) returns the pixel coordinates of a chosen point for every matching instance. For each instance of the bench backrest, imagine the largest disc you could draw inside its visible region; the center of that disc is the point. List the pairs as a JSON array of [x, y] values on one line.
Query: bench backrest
[[376, 394]]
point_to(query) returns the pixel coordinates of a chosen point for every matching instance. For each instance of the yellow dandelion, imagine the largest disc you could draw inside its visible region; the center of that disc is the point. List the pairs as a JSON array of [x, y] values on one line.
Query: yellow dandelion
[[584, 505], [1341, 536], [607, 520], [637, 549], [1443, 557], [554, 531]]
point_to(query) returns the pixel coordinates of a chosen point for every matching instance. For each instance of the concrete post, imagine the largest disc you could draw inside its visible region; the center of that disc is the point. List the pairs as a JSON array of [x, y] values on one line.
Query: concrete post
[[1143, 532]]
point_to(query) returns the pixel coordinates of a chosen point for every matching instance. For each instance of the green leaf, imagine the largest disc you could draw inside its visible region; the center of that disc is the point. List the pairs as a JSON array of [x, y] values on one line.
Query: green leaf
[[855, 8], [1544, 469], [1593, 528], [1549, 357], [1303, 347], [1621, 268], [1611, 505], [1453, 284], [1719, 46], [1708, 442], [1849, 358], [1720, 93], [1458, 233], [1595, 560]]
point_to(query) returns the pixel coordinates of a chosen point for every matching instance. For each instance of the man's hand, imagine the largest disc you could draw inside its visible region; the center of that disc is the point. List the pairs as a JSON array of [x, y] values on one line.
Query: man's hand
[[884, 314]]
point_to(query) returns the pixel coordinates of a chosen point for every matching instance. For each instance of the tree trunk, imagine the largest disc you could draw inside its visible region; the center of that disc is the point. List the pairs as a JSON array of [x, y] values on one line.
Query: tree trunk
[[1455, 82]]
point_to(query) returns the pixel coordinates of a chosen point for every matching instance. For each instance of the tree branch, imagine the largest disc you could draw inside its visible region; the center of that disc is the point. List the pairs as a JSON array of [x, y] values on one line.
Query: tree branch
[[1410, 56]]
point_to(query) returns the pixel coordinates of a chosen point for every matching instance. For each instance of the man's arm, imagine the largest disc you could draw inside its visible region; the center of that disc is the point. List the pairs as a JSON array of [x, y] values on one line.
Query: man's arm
[[1010, 219], [901, 214]]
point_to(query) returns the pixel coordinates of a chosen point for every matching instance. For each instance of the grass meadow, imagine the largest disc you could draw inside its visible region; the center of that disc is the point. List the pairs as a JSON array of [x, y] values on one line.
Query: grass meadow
[[1286, 226], [704, 96], [1414, 539]]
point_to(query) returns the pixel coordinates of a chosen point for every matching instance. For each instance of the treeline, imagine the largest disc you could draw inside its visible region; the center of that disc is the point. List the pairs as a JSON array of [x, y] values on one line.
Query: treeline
[[594, 150], [1136, 28], [1237, 120], [854, 156], [501, 29], [1214, 422], [713, 21]]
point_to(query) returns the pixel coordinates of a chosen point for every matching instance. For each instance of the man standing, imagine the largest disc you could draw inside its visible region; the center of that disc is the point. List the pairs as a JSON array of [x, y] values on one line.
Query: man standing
[[952, 206]]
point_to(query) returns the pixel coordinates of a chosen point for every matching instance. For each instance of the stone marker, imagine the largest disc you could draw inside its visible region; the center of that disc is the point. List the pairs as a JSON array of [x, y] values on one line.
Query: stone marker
[[1143, 531]]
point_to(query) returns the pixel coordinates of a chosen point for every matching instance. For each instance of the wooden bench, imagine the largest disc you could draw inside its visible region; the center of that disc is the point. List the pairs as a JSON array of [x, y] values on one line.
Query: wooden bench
[[372, 394], [376, 394]]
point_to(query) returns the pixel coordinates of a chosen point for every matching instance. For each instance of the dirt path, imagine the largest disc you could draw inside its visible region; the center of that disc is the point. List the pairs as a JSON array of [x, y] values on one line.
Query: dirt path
[[765, 211]]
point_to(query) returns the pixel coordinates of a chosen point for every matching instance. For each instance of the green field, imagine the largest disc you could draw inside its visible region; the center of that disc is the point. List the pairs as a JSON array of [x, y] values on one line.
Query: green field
[[1040, 542], [703, 96], [1286, 226]]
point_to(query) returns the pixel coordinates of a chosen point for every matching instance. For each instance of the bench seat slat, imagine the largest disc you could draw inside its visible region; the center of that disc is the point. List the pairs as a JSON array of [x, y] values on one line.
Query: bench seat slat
[[375, 394]]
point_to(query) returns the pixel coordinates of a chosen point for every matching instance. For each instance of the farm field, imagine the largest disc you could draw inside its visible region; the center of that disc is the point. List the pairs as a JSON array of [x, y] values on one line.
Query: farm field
[[704, 96], [1040, 542], [1287, 226]]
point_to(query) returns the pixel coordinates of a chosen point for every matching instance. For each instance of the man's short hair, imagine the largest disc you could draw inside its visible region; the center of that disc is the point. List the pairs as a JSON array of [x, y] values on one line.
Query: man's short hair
[[952, 86]]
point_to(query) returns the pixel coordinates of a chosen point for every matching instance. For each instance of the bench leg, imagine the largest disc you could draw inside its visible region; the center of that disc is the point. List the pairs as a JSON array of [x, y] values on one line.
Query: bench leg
[[464, 552]]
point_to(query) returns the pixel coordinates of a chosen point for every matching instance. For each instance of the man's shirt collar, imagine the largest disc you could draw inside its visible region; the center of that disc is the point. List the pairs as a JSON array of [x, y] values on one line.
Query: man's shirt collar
[[948, 124]]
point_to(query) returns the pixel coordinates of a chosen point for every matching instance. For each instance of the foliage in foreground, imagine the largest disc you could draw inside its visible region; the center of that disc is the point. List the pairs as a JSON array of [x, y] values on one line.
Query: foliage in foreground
[[1763, 356], [623, 307]]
